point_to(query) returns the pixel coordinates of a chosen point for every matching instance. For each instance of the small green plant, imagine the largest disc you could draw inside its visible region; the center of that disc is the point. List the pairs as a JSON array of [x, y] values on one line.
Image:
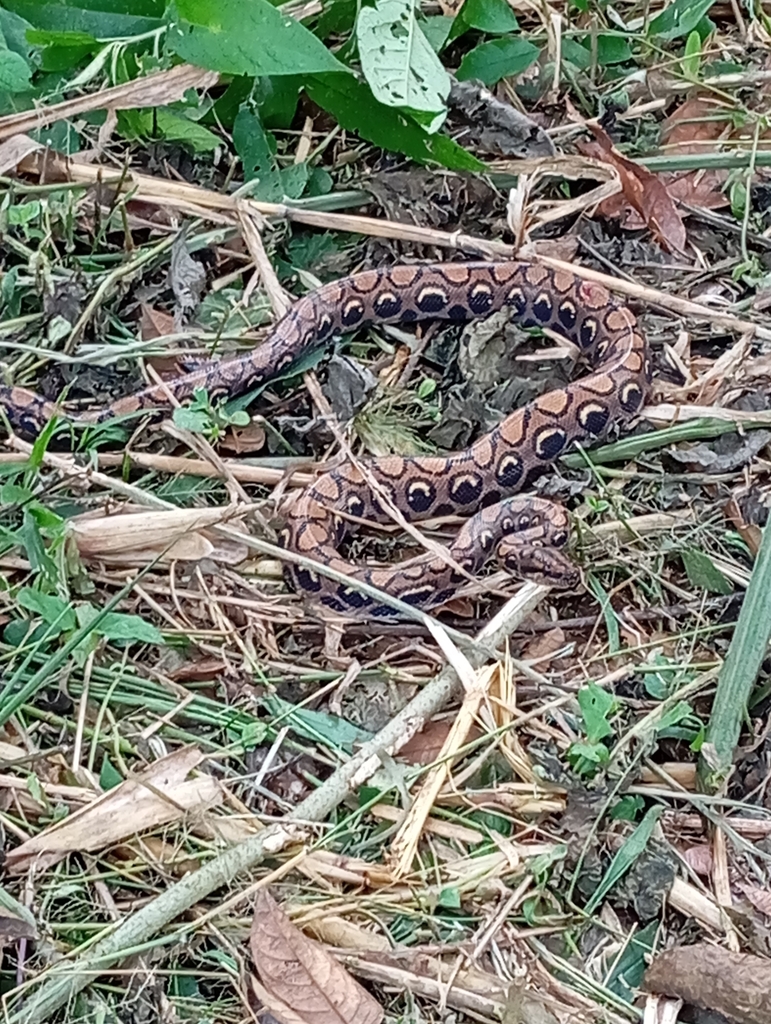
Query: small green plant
[[597, 706], [202, 417]]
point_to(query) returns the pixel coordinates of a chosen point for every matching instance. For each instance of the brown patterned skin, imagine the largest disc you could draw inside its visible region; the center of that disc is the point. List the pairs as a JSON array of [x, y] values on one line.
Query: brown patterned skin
[[525, 534]]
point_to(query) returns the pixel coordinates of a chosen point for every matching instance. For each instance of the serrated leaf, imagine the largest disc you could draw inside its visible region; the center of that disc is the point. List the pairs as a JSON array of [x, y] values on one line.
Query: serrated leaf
[[703, 573], [240, 38], [499, 58], [398, 62], [352, 104]]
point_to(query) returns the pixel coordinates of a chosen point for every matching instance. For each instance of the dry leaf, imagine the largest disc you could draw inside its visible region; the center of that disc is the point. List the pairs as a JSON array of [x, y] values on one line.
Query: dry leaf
[[300, 982], [154, 323], [644, 191], [759, 898], [13, 151], [244, 439], [160, 794]]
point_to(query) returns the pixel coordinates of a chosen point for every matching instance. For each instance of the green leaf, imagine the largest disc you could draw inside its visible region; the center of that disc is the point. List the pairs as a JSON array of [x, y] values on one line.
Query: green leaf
[[692, 56], [352, 104], [177, 128], [398, 62], [679, 19], [703, 573], [627, 808], [597, 705], [436, 29], [129, 628], [612, 49], [256, 148], [109, 776], [15, 73], [51, 609], [13, 30], [627, 854], [239, 38], [104, 20], [194, 420], [576, 53], [497, 59], [492, 16]]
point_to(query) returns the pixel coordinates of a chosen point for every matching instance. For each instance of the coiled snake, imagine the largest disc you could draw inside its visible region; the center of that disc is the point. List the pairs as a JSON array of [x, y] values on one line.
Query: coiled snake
[[524, 533]]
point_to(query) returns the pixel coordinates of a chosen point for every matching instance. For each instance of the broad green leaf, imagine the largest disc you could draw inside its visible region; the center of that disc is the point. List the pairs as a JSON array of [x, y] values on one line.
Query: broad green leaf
[[679, 19], [14, 71], [352, 104], [492, 16], [177, 128], [612, 49], [13, 30], [245, 38], [398, 62], [497, 59], [130, 628], [436, 29], [104, 19], [51, 609], [703, 573]]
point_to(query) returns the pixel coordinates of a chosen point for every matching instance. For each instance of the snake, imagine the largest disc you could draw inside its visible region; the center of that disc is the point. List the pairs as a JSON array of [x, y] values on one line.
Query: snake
[[526, 535]]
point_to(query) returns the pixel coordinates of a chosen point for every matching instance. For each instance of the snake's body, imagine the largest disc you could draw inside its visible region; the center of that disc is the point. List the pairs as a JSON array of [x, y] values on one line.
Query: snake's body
[[524, 533]]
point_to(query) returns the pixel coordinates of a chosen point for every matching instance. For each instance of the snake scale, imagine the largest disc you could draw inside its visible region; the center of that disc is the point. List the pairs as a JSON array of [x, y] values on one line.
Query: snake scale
[[524, 534]]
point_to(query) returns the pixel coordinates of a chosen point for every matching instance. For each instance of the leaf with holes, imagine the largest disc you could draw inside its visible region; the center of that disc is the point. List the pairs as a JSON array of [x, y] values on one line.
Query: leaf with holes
[[398, 62], [299, 980]]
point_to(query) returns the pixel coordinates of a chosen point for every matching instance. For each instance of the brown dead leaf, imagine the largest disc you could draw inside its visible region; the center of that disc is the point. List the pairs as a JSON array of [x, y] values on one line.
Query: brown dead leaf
[[154, 323], [645, 192], [300, 982], [243, 439], [686, 130], [759, 898], [425, 746], [699, 859], [543, 647], [13, 151], [738, 985]]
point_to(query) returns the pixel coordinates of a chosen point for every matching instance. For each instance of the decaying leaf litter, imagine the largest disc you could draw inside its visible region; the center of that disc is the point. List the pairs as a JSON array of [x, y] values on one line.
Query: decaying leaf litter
[[193, 755]]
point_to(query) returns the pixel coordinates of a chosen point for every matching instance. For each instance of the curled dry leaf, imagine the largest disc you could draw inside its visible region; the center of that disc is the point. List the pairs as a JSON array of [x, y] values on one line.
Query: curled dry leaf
[[644, 191], [300, 982], [738, 985]]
